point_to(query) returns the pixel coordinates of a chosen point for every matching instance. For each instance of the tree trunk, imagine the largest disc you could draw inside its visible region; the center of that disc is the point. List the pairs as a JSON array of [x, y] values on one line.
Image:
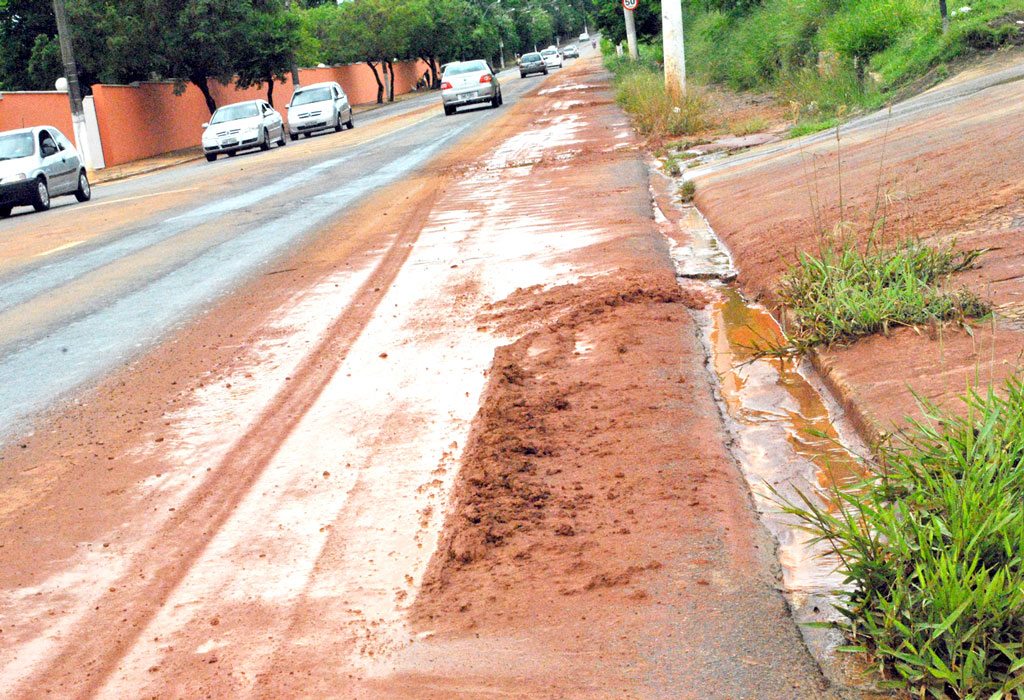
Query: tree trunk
[[270, 90], [200, 82], [380, 85], [435, 79], [391, 83]]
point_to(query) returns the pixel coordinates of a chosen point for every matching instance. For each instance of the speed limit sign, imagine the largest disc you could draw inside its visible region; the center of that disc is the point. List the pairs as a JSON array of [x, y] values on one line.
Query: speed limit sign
[[630, 4]]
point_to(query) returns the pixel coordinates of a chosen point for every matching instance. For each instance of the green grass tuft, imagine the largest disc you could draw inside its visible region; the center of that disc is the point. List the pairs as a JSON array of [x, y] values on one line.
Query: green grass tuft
[[932, 547], [640, 90], [847, 292]]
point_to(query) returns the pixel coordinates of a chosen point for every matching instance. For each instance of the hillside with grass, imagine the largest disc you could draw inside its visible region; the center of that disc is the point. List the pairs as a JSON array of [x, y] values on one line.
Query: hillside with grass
[[830, 57]]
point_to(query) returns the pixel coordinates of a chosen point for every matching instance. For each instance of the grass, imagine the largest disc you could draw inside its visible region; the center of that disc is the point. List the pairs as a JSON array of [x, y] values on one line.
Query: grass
[[640, 90], [849, 54], [932, 547], [687, 191], [848, 292], [812, 127]]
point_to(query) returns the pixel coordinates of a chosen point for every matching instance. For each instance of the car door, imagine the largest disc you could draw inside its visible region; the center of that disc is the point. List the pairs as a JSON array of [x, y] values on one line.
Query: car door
[[72, 160], [52, 163], [343, 105]]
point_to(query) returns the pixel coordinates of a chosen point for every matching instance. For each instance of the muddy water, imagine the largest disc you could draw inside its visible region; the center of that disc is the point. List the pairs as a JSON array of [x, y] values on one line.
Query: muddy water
[[790, 436]]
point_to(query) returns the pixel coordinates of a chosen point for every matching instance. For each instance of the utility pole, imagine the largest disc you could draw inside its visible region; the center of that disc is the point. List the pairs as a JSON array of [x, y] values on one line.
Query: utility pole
[[945, 16], [634, 52], [675, 56], [71, 74]]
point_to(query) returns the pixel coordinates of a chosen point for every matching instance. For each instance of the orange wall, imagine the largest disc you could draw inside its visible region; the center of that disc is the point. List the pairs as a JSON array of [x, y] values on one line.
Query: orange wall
[[23, 109], [139, 122]]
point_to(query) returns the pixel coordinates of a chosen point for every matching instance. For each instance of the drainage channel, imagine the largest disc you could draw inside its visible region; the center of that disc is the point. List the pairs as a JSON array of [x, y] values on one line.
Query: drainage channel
[[788, 434]]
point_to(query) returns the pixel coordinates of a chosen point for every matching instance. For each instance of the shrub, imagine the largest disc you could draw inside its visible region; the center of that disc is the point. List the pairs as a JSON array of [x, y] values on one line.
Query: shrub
[[640, 90]]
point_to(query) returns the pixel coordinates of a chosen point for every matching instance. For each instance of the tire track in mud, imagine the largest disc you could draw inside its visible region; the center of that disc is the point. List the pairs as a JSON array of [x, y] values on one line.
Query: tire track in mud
[[90, 660]]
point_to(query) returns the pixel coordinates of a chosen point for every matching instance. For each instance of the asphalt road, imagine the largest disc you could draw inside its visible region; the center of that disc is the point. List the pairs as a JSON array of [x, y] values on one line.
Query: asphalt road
[[84, 287]]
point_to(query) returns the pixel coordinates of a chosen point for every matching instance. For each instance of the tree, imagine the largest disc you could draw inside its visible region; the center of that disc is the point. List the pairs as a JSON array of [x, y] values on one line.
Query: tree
[[647, 17], [269, 49], [199, 40], [374, 32], [22, 22]]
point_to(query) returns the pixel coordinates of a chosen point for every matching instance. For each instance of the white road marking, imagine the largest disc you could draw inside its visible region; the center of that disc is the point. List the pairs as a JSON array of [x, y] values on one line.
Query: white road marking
[[141, 196]]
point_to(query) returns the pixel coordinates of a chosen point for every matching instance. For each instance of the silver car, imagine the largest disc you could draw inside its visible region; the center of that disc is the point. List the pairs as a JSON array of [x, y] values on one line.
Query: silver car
[[36, 164], [467, 83], [317, 107], [251, 124]]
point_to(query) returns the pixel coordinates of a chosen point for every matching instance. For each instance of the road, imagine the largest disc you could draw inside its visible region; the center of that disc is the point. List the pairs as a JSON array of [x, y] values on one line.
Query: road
[[412, 411], [84, 288]]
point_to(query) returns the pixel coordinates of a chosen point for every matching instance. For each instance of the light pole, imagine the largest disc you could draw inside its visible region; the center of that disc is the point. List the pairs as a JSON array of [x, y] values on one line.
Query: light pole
[[74, 89], [675, 56]]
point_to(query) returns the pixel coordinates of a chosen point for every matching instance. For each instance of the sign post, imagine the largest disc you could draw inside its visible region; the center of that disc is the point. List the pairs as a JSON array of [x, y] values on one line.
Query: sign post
[[627, 9]]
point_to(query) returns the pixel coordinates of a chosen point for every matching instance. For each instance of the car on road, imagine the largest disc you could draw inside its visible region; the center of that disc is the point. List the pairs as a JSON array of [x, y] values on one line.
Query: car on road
[[571, 51], [242, 125], [37, 164], [584, 38], [317, 107], [532, 63], [552, 57], [469, 82]]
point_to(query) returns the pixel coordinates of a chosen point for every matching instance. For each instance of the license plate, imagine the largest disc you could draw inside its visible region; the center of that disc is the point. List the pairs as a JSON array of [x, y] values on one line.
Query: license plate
[[229, 142]]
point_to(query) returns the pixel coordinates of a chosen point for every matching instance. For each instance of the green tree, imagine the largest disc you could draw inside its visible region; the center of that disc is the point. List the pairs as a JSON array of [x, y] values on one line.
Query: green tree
[[270, 47], [22, 22], [612, 24]]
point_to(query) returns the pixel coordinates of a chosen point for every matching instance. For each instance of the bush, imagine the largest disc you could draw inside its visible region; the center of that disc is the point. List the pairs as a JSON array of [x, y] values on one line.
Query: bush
[[640, 90], [932, 547]]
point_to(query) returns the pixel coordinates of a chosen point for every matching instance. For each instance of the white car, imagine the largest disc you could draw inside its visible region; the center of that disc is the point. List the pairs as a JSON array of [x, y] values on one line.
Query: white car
[[233, 128], [36, 164], [552, 57], [584, 38], [468, 83], [317, 107]]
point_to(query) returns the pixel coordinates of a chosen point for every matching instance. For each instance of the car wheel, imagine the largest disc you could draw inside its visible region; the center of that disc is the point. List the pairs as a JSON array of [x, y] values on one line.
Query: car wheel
[[545, 70], [232, 154], [84, 191], [211, 157], [350, 124], [5, 212], [448, 111], [522, 75], [337, 124], [293, 137], [282, 141], [265, 144], [501, 98], [496, 100], [41, 196]]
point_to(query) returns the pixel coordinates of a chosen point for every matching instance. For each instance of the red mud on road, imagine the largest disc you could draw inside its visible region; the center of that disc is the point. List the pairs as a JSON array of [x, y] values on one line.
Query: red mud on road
[[947, 173], [598, 539]]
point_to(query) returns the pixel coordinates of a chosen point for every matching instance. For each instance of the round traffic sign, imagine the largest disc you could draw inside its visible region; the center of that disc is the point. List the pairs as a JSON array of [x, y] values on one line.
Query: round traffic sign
[[630, 4]]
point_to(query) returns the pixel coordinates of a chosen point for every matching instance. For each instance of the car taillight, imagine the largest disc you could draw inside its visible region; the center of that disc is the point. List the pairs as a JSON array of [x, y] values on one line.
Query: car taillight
[[446, 86], [485, 78]]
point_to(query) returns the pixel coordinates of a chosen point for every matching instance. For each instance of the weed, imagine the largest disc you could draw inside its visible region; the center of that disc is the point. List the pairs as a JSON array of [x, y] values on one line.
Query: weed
[[687, 191], [640, 90], [846, 293], [932, 547], [754, 125], [812, 127], [672, 165]]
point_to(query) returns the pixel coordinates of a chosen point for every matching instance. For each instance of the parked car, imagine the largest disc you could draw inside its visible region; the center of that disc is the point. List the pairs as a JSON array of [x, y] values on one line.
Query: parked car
[[317, 107], [532, 63], [236, 127], [37, 164], [469, 82], [571, 51], [552, 57]]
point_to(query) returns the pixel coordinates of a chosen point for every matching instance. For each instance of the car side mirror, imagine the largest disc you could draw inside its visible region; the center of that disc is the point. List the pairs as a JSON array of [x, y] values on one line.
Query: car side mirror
[[206, 125]]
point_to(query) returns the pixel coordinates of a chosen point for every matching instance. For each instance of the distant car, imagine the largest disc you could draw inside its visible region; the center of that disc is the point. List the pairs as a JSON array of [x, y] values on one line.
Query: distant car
[[317, 107], [552, 57], [243, 125], [467, 83], [584, 38], [37, 164], [571, 51], [532, 63]]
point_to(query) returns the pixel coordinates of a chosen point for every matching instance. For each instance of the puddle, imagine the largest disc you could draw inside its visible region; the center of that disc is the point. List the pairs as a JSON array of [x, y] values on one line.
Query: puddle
[[788, 433]]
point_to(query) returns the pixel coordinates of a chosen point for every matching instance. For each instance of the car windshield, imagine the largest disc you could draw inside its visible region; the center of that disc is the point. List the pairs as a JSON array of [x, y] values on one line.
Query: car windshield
[[531, 57], [468, 67], [320, 94], [230, 113], [17, 145]]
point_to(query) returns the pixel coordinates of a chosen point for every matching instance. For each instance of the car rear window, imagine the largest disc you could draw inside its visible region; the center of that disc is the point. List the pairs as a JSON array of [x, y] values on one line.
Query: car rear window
[[233, 112], [531, 57], [467, 67], [548, 52], [17, 145], [321, 94]]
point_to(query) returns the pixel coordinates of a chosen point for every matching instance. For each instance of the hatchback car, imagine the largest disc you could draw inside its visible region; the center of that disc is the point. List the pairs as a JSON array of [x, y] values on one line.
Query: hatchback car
[[467, 83], [233, 128], [36, 164], [552, 57], [317, 107], [571, 51], [532, 63]]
